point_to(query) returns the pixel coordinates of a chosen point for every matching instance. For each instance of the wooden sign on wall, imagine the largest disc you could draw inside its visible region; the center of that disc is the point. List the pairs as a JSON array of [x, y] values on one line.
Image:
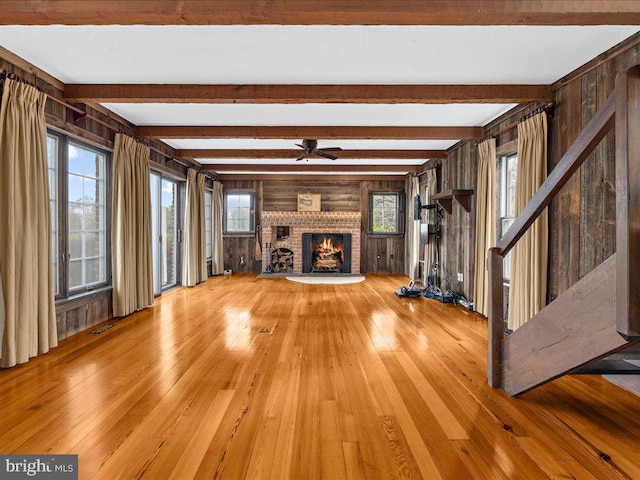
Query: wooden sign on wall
[[309, 202]]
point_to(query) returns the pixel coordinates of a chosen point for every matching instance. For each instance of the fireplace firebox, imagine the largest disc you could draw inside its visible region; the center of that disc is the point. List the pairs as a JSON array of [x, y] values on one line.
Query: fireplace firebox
[[326, 253]]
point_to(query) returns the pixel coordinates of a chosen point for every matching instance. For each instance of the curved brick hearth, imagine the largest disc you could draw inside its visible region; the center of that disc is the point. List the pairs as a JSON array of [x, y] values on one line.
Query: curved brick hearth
[[309, 222]]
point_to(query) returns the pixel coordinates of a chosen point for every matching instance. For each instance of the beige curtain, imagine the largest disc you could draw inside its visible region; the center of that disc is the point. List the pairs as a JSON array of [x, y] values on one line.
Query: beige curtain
[[131, 227], [413, 229], [528, 289], [28, 314], [202, 262], [430, 253], [485, 222], [218, 251], [194, 264]]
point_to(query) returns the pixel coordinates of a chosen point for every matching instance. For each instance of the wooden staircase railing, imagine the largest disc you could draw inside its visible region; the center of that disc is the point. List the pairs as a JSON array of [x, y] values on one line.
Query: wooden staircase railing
[[622, 108]]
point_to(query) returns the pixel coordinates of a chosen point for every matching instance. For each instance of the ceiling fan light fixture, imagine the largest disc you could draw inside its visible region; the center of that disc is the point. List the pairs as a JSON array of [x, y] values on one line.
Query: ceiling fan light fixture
[[310, 147]]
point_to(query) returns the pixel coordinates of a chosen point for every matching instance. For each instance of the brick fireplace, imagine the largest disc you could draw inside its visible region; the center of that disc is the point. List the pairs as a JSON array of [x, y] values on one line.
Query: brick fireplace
[[308, 222]]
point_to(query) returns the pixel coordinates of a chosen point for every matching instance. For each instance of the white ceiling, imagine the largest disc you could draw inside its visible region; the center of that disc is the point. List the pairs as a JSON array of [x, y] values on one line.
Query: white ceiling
[[267, 144], [271, 54], [309, 114], [314, 54]]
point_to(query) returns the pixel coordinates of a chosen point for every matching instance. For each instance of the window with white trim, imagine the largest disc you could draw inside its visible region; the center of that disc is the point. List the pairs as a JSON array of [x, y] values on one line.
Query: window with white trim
[[78, 184], [86, 217], [208, 226], [508, 176], [52, 160], [385, 209], [239, 212]]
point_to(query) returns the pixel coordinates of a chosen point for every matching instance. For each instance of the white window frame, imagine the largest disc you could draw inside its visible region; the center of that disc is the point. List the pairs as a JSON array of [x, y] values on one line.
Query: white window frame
[[252, 211], [507, 208], [208, 222], [59, 190], [398, 213]]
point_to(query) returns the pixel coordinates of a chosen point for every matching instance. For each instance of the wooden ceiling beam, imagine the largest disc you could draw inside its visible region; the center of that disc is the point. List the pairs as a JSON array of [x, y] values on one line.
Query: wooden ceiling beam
[[304, 166], [293, 153], [323, 132], [313, 12], [296, 94]]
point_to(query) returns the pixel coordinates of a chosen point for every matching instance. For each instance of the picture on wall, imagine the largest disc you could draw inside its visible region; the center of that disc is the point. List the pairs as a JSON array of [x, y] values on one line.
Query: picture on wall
[[308, 202]]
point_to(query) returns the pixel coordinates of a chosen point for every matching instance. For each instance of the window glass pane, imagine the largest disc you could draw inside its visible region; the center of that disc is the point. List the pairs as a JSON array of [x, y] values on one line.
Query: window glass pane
[[92, 217], [75, 273], [238, 213], [169, 229], [233, 201], [90, 194], [100, 192], [86, 217], [508, 193], [75, 160], [75, 188], [52, 160], [52, 152], [92, 271], [155, 230], [92, 244], [75, 216], [91, 164], [75, 244], [244, 225], [208, 200], [512, 174], [385, 213]]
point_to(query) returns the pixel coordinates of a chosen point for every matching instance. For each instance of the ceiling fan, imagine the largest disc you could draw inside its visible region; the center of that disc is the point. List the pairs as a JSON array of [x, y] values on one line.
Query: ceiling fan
[[310, 148]]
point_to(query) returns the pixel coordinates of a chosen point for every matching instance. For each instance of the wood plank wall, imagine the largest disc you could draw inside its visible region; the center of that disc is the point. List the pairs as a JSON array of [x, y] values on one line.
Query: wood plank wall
[[337, 196], [379, 253], [582, 217], [84, 311]]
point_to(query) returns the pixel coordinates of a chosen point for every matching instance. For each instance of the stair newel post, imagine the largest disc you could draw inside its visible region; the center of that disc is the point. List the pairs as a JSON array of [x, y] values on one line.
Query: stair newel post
[[496, 321], [628, 202]]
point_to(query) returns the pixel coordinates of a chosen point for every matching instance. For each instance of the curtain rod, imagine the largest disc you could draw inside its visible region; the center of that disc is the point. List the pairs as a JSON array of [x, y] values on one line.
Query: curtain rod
[[547, 107], [79, 114], [430, 164]]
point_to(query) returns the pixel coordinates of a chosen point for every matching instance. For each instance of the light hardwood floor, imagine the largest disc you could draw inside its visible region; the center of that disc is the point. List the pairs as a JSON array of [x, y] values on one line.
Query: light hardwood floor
[[264, 378]]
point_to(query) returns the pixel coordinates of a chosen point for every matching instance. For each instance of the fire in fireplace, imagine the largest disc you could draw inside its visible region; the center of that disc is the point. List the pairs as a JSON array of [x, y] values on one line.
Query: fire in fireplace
[[326, 253], [325, 257]]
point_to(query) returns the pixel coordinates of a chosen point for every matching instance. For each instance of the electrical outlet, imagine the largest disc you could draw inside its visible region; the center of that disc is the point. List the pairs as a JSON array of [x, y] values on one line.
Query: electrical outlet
[[460, 277]]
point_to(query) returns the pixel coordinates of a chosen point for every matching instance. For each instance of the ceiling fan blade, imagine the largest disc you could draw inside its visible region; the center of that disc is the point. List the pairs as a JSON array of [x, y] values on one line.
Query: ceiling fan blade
[[325, 155], [330, 149], [301, 157]]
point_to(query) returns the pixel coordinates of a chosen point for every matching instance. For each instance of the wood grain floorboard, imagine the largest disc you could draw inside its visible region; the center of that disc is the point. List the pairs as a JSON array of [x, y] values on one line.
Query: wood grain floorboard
[[247, 378]]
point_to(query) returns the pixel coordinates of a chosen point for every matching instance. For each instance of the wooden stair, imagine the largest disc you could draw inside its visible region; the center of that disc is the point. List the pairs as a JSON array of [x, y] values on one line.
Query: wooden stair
[[594, 326], [573, 334]]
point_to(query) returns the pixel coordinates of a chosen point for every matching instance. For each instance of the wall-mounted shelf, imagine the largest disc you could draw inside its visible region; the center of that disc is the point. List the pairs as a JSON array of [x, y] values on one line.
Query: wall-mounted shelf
[[445, 199]]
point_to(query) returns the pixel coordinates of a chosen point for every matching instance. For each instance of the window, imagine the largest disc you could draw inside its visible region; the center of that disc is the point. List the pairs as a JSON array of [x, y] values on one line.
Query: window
[[52, 160], [239, 212], [385, 209], [208, 222], [165, 231], [508, 176], [79, 215], [86, 222]]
